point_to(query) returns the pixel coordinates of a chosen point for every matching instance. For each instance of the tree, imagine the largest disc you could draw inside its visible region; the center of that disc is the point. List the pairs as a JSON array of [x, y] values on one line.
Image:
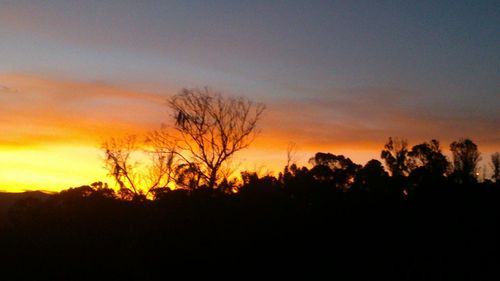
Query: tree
[[465, 159], [137, 179], [429, 158], [395, 156], [210, 130], [336, 168], [291, 150], [495, 164], [372, 177]]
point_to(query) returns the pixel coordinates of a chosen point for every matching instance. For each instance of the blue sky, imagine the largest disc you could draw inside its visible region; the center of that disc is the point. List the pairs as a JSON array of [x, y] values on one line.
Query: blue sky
[[340, 76]]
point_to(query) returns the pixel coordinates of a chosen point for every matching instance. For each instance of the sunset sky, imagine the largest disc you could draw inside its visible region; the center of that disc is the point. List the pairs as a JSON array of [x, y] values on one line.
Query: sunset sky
[[336, 76]]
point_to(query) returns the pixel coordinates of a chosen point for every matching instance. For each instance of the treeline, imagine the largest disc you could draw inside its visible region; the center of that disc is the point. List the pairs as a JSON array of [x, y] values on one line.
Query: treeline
[[425, 219], [209, 129], [404, 171]]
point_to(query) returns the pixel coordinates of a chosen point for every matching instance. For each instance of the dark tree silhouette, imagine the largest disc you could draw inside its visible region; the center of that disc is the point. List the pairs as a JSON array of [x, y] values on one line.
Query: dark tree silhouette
[[495, 165], [465, 159], [187, 176], [291, 150], [335, 168], [428, 156], [211, 129], [119, 166], [395, 156], [133, 179], [372, 177]]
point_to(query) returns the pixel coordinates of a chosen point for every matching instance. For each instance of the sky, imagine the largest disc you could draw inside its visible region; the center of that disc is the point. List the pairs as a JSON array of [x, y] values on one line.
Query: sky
[[336, 76]]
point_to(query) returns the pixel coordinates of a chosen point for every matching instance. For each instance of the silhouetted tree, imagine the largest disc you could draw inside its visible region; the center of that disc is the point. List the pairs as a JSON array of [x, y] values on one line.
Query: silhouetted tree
[[187, 176], [335, 168], [495, 165], [395, 155], [372, 177], [465, 159], [290, 153], [117, 162], [295, 177], [428, 157], [132, 178], [211, 129], [252, 181]]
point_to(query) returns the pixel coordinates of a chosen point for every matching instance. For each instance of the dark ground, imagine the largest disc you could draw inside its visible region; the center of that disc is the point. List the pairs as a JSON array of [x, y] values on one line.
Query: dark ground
[[450, 233]]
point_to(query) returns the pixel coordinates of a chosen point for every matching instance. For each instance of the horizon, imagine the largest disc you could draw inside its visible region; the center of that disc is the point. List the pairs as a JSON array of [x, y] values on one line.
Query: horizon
[[335, 77]]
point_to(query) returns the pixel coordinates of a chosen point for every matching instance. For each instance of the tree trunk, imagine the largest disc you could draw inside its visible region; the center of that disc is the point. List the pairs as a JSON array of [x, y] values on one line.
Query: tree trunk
[[213, 178]]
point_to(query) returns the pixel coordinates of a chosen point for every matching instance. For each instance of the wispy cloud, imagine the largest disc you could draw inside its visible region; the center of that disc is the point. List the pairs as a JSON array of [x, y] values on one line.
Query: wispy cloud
[[42, 110], [366, 117], [36, 109]]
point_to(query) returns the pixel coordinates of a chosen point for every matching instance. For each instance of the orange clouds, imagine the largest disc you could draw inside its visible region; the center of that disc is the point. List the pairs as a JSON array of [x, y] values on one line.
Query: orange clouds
[[38, 110], [51, 129], [364, 118], [357, 123]]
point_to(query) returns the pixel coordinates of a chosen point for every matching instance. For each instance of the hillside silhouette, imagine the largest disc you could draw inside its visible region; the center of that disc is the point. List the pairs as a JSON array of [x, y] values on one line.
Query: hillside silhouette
[[7, 199]]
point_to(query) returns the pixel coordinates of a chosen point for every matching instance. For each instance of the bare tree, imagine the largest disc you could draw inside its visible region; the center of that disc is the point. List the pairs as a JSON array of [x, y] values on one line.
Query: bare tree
[[495, 165], [163, 162], [119, 166], [210, 130], [133, 177]]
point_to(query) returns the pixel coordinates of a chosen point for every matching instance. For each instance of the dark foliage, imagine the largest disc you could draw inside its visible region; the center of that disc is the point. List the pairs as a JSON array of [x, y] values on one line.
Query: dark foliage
[[436, 232], [465, 159], [336, 219]]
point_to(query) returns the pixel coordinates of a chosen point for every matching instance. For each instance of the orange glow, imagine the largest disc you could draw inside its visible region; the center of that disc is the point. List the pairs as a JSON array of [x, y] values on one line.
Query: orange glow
[[52, 131], [50, 168]]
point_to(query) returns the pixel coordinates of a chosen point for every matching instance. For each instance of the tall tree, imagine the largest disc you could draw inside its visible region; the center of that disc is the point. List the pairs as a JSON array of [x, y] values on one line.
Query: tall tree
[[465, 159], [495, 165], [395, 156], [210, 129]]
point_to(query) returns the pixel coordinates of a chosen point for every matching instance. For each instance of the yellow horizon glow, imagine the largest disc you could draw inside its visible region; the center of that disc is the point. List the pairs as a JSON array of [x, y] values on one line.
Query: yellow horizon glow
[[52, 129], [49, 167], [56, 167]]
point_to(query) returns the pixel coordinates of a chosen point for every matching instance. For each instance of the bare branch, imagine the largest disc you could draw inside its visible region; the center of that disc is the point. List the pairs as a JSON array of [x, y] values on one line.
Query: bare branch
[[212, 128]]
